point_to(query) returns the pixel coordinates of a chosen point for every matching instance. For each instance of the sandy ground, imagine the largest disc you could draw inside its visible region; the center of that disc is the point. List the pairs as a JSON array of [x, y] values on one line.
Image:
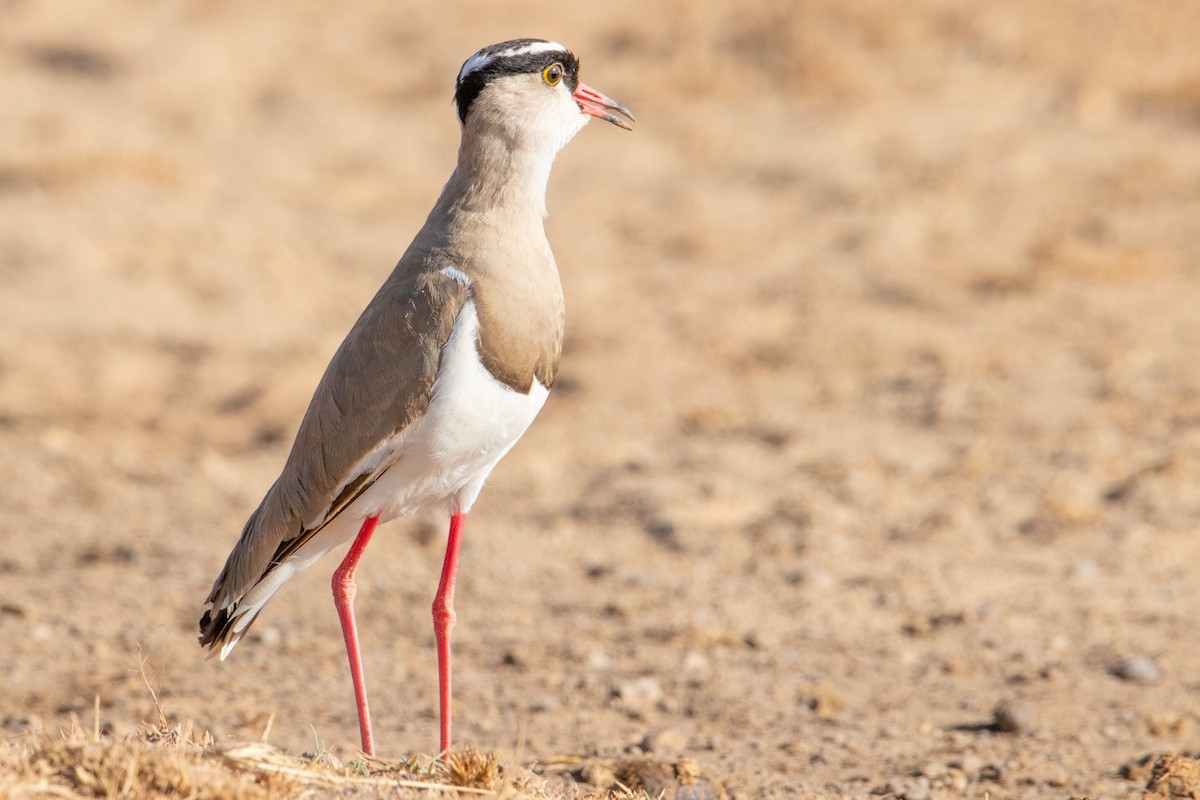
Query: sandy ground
[[880, 404]]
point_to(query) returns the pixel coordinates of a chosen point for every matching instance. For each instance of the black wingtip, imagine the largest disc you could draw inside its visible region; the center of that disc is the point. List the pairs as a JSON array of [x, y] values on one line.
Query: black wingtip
[[213, 628]]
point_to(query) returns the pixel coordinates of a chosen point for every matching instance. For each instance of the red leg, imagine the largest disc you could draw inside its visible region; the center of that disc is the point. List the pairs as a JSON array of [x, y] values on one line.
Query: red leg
[[344, 590], [443, 621]]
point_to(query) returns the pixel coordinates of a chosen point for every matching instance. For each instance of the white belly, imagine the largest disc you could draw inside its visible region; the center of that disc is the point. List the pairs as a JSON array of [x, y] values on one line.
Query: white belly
[[442, 459]]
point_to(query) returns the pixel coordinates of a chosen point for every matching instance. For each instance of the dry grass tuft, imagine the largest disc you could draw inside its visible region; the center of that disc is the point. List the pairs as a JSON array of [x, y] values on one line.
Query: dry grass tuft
[[375, 776], [1173, 776], [73, 765], [625, 793], [163, 762], [474, 769]]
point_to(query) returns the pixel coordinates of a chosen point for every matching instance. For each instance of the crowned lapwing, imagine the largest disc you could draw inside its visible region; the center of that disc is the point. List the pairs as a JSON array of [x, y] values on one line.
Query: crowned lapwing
[[445, 369]]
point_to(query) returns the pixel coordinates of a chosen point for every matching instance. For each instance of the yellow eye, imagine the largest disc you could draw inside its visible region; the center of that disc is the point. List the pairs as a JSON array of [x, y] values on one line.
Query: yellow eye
[[552, 74]]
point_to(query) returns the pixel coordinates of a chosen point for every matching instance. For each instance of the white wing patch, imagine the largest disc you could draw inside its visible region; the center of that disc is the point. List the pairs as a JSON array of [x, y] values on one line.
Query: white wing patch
[[456, 275]]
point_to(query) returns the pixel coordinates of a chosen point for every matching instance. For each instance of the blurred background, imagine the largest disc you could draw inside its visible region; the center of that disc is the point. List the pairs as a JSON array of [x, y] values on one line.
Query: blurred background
[[879, 404]]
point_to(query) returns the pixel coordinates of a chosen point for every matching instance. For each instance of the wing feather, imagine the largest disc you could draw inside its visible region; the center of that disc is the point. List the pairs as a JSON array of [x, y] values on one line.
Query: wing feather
[[379, 381]]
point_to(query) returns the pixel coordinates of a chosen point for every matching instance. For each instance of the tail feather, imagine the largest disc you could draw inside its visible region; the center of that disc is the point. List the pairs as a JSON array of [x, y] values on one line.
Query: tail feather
[[225, 627], [221, 631], [222, 628]]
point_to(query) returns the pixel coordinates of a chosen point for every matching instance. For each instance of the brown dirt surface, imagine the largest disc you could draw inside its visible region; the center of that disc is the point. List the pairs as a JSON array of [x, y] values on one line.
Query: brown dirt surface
[[873, 468]]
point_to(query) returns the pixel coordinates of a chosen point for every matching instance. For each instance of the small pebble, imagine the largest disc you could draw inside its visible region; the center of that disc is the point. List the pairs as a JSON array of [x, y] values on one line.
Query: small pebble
[[993, 773], [543, 704], [598, 774], [667, 740], [811, 577], [1136, 669], [597, 659], [917, 789], [913, 789], [12, 609], [766, 639], [697, 665], [970, 763], [639, 696], [1085, 569], [17, 723], [1011, 716]]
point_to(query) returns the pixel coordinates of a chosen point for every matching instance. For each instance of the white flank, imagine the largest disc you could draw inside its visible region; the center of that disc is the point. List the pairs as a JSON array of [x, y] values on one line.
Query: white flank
[[446, 455], [441, 460]]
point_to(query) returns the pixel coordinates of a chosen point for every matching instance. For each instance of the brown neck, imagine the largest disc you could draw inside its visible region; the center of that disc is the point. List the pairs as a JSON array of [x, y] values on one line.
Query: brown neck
[[498, 175], [496, 195]]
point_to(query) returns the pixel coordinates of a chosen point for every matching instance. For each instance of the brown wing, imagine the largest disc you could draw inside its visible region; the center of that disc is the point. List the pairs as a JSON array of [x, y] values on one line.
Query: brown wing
[[379, 381]]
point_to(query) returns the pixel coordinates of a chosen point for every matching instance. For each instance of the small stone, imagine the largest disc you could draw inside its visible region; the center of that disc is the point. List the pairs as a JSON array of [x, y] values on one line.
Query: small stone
[[640, 695], [1136, 669], [663, 532], [667, 740], [19, 723], [697, 665], [917, 789], [914, 789], [1085, 569], [599, 774], [822, 700], [766, 639], [969, 763], [992, 773], [597, 659], [512, 658], [810, 577], [596, 571], [1011, 716], [958, 666], [1169, 725], [1139, 769]]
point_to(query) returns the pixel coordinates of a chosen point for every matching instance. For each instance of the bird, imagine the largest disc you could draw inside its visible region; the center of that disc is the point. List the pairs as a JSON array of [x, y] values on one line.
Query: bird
[[444, 370]]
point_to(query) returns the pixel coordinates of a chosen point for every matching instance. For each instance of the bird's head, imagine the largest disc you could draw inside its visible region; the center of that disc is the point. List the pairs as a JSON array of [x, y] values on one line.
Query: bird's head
[[529, 90]]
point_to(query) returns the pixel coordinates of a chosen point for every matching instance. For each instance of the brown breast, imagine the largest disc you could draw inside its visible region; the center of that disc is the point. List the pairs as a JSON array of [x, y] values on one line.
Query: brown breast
[[521, 315]]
